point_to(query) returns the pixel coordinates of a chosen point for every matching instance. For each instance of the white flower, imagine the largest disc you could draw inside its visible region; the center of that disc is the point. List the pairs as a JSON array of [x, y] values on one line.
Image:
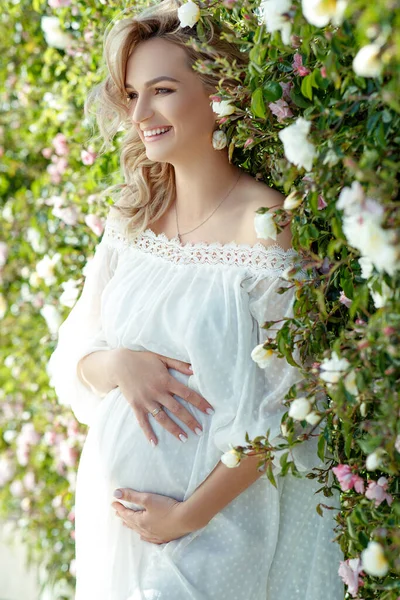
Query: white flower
[[54, 35], [366, 267], [3, 254], [7, 471], [45, 268], [188, 14], [332, 368], [52, 317], [374, 460], [274, 14], [261, 356], [293, 201], [299, 408], [313, 417], [366, 62], [373, 560], [219, 140], [320, 12], [298, 150], [3, 306], [70, 293], [351, 198], [231, 458], [34, 238], [223, 108], [380, 299], [265, 226], [350, 383]]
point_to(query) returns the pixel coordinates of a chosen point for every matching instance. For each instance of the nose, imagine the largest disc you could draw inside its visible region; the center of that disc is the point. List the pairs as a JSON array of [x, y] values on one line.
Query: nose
[[141, 111]]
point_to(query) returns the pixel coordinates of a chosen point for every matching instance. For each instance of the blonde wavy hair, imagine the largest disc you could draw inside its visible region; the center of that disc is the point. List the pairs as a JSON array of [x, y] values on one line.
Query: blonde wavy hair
[[149, 187]]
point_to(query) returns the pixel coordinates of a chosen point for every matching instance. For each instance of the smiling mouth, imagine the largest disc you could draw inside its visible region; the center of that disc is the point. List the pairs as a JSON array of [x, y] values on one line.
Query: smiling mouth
[[149, 138]]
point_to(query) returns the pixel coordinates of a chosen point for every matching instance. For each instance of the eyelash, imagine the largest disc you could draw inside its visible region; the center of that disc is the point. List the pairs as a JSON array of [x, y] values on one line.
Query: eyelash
[[131, 94]]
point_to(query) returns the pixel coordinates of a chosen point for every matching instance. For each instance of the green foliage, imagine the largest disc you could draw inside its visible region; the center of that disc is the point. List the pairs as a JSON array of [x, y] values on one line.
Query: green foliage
[[45, 204]]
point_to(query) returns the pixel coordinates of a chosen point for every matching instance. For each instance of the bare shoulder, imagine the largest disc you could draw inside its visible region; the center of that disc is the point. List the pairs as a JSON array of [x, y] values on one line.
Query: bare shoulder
[[256, 195]]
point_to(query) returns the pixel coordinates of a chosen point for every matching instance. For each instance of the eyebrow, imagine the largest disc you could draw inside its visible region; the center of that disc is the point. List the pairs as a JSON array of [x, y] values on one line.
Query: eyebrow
[[156, 80]]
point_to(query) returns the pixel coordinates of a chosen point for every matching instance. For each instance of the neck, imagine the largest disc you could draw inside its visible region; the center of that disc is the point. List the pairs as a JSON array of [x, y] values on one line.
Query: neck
[[200, 187]]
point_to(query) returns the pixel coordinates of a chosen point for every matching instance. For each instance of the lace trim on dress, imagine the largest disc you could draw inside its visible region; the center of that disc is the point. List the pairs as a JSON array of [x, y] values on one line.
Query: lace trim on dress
[[258, 257]]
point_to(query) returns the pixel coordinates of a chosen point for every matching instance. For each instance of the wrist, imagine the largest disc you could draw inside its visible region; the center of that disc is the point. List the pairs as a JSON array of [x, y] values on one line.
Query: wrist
[[191, 518], [115, 359]]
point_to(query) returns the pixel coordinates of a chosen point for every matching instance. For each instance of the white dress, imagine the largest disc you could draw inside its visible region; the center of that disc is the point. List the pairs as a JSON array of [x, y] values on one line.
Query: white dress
[[204, 304]]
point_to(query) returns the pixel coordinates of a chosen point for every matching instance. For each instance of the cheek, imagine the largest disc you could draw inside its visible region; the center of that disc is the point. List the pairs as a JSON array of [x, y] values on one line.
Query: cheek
[[194, 116]]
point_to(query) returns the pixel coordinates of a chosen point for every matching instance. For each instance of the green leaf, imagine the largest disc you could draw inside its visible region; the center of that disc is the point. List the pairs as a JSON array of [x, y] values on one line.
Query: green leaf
[[321, 447], [272, 91], [270, 474], [257, 104], [306, 86]]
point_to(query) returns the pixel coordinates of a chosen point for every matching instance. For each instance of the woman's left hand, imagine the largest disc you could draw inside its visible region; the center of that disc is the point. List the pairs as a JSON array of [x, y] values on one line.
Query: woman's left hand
[[161, 521]]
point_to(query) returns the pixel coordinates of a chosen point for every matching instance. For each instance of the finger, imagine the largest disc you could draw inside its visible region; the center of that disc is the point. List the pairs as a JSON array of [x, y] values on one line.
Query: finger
[[179, 411], [130, 495], [165, 421], [178, 365], [143, 420], [181, 390]]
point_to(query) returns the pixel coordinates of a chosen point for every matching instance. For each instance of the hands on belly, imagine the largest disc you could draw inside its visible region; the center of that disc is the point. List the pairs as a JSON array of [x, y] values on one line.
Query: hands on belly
[[147, 385], [161, 520]]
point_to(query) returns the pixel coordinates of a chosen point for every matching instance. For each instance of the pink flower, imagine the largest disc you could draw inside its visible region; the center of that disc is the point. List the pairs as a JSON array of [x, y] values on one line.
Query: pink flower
[[59, 3], [348, 480], [17, 489], [88, 157], [350, 572], [95, 223], [3, 254], [68, 214], [344, 299], [377, 491], [229, 3], [88, 36], [60, 145], [47, 152], [321, 202], [68, 455], [57, 168], [286, 87], [323, 72], [298, 67], [248, 142], [280, 109], [29, 481]]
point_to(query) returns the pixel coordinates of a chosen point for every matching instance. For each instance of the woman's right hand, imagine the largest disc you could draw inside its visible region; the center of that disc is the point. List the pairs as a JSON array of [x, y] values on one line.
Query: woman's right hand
[[145, 382]]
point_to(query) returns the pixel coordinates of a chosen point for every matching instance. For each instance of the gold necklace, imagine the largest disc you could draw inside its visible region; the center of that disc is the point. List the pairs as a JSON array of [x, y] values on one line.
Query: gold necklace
[[202, 223]]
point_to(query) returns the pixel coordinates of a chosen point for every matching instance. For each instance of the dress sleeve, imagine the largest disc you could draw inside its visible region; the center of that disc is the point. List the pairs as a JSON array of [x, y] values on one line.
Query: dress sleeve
[[266, 304], [261, 391], [81, 334]]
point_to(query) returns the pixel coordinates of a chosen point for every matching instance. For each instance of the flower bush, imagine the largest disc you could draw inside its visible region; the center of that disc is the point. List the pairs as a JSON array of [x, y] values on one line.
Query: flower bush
[[316, 116]]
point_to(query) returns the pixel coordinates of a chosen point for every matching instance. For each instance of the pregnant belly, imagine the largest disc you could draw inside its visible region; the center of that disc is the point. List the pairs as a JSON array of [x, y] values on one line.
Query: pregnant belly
[[127, 458]]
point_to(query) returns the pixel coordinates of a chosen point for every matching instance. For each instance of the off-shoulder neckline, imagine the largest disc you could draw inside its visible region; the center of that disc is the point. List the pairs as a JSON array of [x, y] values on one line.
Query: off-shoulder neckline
[[219, 245]]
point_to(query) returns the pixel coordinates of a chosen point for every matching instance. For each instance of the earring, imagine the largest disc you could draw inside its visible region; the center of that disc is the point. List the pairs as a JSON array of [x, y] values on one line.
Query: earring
[[219, 140]]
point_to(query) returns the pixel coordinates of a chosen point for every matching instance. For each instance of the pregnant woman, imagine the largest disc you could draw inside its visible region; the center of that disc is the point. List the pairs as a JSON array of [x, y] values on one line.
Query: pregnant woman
[[156, 355]]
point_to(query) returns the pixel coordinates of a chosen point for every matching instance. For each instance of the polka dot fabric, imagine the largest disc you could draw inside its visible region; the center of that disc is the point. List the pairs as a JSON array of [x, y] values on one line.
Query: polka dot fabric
[[204, 304]]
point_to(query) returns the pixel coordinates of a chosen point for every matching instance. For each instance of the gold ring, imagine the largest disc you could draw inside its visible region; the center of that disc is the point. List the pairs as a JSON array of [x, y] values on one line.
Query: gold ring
[[156, 411]]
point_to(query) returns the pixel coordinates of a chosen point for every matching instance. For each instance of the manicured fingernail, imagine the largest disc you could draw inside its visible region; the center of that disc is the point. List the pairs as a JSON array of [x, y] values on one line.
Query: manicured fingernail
[[210, 411], [118, 494], [182, 437], [198, 431], [190, 368], [152, 442]]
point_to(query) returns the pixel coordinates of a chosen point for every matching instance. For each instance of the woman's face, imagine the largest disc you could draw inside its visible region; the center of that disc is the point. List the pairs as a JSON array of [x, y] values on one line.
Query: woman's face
[[177, 101]]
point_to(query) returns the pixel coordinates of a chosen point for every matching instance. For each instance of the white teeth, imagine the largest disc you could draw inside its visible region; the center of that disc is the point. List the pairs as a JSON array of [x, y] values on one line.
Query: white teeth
[[155, 131]]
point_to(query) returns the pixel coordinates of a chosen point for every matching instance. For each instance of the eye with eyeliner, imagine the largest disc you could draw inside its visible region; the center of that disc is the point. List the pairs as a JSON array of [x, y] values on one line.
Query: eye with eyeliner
[[132, 95]]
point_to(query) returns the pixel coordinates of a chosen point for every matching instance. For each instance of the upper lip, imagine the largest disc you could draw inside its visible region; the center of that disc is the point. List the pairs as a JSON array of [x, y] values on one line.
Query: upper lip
[[155, 127]]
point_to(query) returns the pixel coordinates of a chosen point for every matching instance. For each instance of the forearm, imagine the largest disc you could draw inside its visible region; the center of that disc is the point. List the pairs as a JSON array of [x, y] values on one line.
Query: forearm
[[95, 371], [222, 486]]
